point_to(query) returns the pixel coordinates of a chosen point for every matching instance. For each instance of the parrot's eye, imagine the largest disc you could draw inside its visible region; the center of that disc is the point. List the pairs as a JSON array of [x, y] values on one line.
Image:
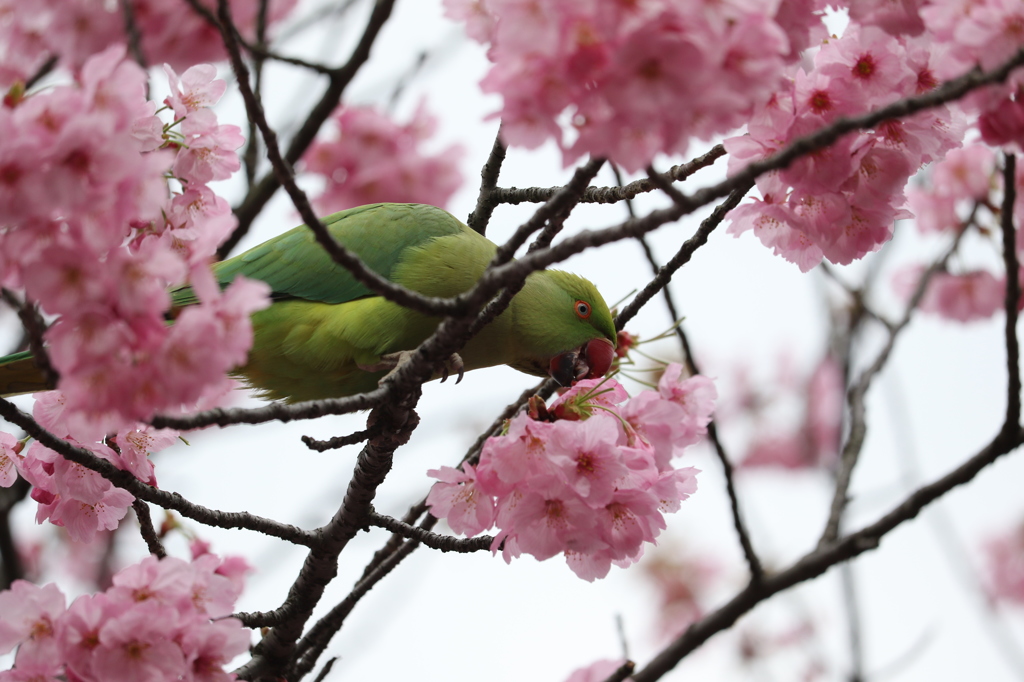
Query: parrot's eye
[[582, 309]]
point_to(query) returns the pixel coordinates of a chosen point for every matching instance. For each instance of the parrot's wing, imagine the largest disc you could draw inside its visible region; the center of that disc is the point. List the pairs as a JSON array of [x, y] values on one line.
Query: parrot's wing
[[297, 267]]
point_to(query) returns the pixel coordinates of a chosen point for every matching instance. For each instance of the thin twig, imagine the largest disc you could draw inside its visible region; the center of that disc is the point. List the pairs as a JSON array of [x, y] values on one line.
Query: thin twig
[[481, 215], [856, 397], [337, 441], [442, 543], [607, 195], [161, 498], [681, 257], [340, 78], [44, 69]]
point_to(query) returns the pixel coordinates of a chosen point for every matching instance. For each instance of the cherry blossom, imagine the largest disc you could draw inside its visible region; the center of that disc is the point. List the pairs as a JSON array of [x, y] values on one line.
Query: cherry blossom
[[154, 623], [634, 79], [589, 477], [371, 158], [840, 203], [77, 29], [964, 297]]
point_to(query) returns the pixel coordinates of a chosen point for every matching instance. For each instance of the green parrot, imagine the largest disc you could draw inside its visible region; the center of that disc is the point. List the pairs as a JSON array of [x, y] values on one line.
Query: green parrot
[[325, 335]]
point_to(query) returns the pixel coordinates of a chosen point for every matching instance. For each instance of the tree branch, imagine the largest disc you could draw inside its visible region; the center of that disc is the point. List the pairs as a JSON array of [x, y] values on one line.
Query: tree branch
[[821, 559], [161, 498], [856, 399], [485, 205], [1012, 300], [442, 543]]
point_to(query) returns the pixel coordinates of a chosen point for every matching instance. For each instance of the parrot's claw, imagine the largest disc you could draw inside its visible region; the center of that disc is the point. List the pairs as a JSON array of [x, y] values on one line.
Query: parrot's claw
[[392, 361], [454, 362]]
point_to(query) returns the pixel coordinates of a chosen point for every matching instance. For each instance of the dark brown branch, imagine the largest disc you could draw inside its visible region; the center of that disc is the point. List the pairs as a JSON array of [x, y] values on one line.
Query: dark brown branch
[[337, 441], [442, 543], [544, 389], [319, 636], [147, 530], [485, 205], [161, 498], [1012, 421], [273, 656], [816, 562]]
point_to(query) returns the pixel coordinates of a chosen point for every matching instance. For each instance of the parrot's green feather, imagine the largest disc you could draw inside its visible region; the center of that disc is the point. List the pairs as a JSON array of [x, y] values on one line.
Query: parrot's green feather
[[323, 324], [19, 374]]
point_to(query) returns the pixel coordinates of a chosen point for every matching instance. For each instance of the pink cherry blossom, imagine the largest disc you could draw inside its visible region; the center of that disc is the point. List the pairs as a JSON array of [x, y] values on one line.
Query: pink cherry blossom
[[198, 88], [9, 455], [589, 477], [635, 79], [839, 203], [458, 499], [30, 620], [153, 624], [966, 297], [371, 159]]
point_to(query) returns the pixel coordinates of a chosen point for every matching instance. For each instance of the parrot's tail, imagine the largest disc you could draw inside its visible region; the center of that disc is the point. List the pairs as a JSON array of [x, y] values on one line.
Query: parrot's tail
[[19, 374]]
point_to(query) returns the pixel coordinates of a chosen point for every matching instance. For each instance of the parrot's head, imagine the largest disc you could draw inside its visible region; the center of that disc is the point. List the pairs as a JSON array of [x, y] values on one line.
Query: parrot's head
[[563, 328]]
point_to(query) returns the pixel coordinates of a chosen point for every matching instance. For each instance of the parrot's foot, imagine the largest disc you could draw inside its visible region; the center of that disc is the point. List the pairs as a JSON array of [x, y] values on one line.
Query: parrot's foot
[[392, 361], [453, 364]]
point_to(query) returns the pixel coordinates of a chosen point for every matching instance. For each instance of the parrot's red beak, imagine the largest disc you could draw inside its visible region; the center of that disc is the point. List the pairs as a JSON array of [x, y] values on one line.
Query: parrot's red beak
[[590, 361]]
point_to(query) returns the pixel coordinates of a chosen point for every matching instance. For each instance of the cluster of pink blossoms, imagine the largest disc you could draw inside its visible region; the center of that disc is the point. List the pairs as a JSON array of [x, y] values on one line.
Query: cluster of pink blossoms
[[591, 478], [154, 623], [635, 78], [372, 159], [74, 30], [982, 33], [92, 231], [840, 203], [68, 494], [954, 189]]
